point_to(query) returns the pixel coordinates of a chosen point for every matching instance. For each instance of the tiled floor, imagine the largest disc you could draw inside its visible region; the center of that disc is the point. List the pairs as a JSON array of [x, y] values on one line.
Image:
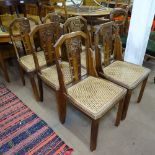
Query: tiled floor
[[134, 136]]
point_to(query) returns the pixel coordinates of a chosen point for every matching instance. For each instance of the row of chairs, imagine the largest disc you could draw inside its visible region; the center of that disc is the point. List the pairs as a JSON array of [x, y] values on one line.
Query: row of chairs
[[64, 58], [36, 11]]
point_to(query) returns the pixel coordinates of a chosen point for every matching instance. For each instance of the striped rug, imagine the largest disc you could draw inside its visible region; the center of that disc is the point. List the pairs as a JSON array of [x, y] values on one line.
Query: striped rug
[[23, 132]]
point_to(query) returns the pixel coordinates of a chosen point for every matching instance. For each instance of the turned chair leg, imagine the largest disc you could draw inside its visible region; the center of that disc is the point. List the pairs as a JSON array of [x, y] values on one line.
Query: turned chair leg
[[119, 112], [34, 86], [21, 71], [61, 103], [142, 90], [40, 88], [126, 103], [94, 134]]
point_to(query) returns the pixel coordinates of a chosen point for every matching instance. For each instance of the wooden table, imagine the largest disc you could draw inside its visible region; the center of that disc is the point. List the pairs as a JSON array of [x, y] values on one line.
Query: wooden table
[[86, 11], [6, 49], [90, 13], [6, 52]]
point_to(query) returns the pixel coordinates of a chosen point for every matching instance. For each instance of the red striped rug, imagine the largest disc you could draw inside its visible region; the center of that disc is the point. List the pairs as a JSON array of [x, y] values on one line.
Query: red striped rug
[[23, 132]]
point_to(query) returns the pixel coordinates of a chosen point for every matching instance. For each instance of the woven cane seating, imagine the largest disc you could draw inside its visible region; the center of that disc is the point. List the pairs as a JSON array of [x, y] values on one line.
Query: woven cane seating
[[126, 74], [95, 96], [49, 33], [27, 62], [49, 75], [23, 50], [123, 73], [91, 95]]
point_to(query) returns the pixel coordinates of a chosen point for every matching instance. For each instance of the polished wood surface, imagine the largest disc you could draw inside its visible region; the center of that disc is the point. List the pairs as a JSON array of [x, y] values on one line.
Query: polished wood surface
[[86, 11]]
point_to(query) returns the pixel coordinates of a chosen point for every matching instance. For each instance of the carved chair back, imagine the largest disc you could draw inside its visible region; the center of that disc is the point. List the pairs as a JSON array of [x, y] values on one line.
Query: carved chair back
[[73, 43], [107, 41], [74, 24], [77, 23], [21, 27], [49, 33], [52, 17], [119, 16]]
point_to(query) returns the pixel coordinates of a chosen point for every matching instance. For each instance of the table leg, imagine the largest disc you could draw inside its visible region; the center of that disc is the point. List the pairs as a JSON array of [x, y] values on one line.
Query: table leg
[[4, 68]]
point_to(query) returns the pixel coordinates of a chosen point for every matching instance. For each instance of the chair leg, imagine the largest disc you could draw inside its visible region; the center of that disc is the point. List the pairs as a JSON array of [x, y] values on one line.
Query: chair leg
[[142, 90], [119, 112], [61, 103], [21, 71], [94, 134], [34, 86], [126, 103], [40, 88], [5, 71], [154, 79]]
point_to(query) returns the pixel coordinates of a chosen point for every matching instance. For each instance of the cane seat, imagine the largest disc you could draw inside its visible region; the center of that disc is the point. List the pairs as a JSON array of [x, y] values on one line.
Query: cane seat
[[49, 75], [126, 74], [27, 61], [95, 96]]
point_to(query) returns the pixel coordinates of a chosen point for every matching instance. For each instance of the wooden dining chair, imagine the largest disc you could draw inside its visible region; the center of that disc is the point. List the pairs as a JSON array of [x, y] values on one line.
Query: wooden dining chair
[[126, 24], [49, 33], [78, 23], [91, 95], [23, 50], [52, 17], [119, 16], [123, 73]]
